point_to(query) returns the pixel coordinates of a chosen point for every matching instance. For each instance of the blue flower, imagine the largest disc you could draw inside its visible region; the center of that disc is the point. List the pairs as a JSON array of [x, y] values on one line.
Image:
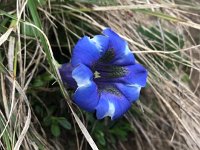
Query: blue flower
[[104, 74]]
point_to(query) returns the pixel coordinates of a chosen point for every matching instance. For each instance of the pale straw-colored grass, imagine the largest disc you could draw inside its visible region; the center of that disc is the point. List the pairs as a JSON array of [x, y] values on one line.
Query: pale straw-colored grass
[[169, 107]]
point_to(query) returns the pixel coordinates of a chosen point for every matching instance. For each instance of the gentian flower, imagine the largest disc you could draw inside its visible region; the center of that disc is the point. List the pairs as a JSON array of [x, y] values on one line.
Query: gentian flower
[[104, 74]]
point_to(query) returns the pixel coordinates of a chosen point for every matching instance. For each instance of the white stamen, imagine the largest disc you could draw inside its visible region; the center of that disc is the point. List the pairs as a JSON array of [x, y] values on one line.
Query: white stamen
[[96, 74]]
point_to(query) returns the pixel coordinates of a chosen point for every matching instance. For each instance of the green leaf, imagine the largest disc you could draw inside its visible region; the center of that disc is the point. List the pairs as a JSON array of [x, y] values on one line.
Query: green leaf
[[28, 30], [185, 78], [55, 130], [64, 123], [47, 121], [2, 68], [3, 29], [39, 110], [42, 80], [161, 39], [6, 135], [42, 2], [100, 138], [121, 130]]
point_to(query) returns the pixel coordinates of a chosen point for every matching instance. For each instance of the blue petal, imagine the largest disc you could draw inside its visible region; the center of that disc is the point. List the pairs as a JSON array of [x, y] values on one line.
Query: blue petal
[[111, 105], [66, 75], [131, 75], [102, 108], [86, 95], [136, 75], [101, 42], [82, 75], [85, 52], [131, 92], [123, 55]]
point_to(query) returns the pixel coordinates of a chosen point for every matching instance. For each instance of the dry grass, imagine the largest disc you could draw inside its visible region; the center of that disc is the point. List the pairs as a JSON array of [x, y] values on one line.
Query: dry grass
[[176, 124], [171, 107]]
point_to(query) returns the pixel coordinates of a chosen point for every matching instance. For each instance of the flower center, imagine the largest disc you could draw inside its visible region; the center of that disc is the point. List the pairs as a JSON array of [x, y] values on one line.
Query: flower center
[[106, 73], [105, 69]]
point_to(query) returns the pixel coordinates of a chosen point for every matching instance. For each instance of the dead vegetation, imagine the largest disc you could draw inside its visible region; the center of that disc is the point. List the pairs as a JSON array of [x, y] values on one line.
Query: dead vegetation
[[169, 106]]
